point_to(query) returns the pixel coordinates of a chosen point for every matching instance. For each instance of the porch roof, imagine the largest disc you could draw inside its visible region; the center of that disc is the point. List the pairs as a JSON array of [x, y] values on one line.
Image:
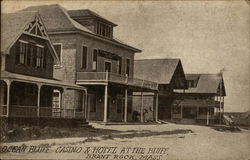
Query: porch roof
[[31, 79]]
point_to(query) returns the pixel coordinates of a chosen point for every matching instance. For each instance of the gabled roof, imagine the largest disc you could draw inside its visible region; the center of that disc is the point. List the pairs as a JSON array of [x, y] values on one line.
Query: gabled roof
[[58, 20], [15, 24], [87, 13], [157, 70], [207, 83], [12, 26]]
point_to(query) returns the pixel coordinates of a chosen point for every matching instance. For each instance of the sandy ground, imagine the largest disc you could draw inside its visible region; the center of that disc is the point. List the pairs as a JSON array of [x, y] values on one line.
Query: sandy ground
[[181, 141]]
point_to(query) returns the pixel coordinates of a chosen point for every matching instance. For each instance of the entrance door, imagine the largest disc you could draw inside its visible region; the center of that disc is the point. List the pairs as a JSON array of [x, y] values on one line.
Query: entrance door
[[107, 66]]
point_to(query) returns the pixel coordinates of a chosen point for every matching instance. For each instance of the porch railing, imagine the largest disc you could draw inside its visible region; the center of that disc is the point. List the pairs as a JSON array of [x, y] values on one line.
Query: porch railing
[[196, 103], [32, 111], [3, 110], [116, 78], [23, 111], [204, 116]]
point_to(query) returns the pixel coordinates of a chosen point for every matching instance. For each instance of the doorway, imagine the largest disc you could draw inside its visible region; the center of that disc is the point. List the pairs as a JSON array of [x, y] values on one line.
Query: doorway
[[107, 66]]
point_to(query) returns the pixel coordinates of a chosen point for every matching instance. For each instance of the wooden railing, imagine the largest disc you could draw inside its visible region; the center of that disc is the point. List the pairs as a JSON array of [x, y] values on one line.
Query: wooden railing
[[116, 78], [23, 111], [204, 116], [3, 110], [195, 103], [48, 111], [217, 104], [176, 116]]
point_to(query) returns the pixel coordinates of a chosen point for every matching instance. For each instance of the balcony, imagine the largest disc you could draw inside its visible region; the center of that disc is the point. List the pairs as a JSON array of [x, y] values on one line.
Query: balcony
[[105, 77]]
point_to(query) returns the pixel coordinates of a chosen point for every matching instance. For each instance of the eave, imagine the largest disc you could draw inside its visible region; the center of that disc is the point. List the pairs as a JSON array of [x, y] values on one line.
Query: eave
[[55, 32]]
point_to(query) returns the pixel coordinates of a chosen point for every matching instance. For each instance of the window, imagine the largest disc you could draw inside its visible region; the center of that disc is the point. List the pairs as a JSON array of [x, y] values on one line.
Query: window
[[128, 66], [58, 49], [29, 55], [119, 65], [84, 57], [103, 30], [94, 62], [39, 57], [22, 52], [191, 84]]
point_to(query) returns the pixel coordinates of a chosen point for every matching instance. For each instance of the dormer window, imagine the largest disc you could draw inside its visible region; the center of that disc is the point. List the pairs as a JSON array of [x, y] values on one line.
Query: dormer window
[[191, 84], [103, 30]]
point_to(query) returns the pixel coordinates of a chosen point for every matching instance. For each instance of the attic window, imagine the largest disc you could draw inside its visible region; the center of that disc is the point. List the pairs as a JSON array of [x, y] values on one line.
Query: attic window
[[103, 30], [191, 84]]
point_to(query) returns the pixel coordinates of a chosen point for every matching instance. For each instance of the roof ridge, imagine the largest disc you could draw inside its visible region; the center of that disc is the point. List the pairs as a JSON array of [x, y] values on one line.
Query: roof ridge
[[158, 59]]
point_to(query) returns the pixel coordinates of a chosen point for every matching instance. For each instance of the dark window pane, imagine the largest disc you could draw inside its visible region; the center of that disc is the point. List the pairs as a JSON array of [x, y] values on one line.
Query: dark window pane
[[58, 49], [84, 57]]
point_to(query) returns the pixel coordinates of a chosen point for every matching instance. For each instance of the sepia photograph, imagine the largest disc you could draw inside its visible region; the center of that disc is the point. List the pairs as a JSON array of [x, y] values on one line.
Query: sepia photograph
[[125, 80]]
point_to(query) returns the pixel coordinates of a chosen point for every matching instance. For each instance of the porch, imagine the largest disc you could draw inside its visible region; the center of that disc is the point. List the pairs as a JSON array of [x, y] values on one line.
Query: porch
[[112, 98], [24, 96], [205, 111]]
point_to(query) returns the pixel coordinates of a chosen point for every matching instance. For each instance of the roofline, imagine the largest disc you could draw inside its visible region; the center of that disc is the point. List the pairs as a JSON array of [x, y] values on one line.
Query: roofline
[[149, 59], [96, 37], [93, 15]]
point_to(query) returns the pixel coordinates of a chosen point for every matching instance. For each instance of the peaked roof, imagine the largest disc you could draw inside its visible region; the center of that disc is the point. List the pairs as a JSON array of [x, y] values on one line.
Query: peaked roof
[[12, 26], [88, 13], [207, 83], [57, 19], [157, 70]]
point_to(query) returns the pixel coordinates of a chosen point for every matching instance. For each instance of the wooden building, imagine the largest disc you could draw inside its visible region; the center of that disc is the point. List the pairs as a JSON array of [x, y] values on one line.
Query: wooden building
[[202, 102], [91, 56], [27, 82], [169, 75]]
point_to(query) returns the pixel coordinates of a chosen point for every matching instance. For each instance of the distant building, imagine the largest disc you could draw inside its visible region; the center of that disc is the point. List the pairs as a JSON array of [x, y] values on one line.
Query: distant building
[[203, 101], [92, 57], [27, 61], [169, 75]]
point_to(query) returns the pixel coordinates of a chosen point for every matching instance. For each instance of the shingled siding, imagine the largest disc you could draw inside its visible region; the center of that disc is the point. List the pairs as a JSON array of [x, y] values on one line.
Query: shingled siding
[[97, 44], [67, 70], [11, 66]]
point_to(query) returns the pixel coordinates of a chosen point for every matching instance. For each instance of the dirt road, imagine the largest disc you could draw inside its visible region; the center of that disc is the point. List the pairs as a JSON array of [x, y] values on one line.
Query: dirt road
[[175, 142]]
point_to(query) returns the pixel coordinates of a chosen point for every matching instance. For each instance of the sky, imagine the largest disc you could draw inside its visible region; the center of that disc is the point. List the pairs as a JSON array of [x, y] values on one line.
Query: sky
[[207, 35]]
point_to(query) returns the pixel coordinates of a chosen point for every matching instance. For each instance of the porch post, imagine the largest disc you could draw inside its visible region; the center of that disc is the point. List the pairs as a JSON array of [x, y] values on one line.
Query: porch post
[[86, 107], [207, 116], [142, 106], [220, 110], [126, 105], [8, 82], [156, 107], [105, 116], [62, 105], [197, 110], [38, 99], [181, 112]]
